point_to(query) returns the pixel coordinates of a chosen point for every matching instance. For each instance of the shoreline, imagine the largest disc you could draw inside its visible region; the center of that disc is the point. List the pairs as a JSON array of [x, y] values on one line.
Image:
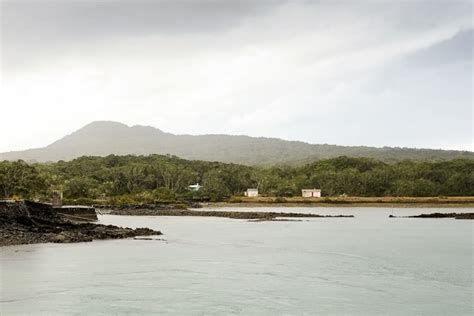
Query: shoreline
[[262, 216], [350, 201], [28, 222], [348, 205], [385, 202], [461, 216]]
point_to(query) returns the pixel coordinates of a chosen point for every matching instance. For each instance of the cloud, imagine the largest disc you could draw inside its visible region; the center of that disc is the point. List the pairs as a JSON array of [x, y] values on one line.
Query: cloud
[[52, 27], [355, 73]]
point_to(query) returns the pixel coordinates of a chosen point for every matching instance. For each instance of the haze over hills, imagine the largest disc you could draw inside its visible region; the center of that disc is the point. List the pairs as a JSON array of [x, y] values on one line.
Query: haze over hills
[[102, 138]]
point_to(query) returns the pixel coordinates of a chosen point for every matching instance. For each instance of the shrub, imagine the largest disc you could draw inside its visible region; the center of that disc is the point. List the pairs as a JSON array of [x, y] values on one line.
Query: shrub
[[235, 199]]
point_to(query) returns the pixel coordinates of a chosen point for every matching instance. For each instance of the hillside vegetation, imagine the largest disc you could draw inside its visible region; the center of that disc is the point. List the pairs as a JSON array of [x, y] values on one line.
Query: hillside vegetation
[[130, 179], [105, 138]]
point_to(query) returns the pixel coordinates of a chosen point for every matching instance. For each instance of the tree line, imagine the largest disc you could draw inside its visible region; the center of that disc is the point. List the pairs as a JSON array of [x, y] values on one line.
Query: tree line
[[131, 179]]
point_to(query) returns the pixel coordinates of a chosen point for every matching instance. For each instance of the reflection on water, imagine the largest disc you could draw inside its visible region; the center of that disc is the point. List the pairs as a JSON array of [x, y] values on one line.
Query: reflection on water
[[369, 264]]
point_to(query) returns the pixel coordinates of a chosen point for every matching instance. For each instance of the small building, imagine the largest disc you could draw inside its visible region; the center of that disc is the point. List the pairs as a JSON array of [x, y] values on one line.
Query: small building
[[311, 193], [251, 193], [194, 187]]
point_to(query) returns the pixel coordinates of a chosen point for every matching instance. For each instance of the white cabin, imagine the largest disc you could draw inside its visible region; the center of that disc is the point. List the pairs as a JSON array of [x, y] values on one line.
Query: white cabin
[[194, 187], [251, 192], [311, 193]]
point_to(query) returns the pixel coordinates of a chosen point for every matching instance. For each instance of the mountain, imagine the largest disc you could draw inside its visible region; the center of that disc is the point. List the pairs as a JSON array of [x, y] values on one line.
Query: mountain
[[103, 138]]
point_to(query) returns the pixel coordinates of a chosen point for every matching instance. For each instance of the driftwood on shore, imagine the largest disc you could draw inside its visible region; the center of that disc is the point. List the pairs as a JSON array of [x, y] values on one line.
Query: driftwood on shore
[[439, 215], [227, 214], [29, 223]]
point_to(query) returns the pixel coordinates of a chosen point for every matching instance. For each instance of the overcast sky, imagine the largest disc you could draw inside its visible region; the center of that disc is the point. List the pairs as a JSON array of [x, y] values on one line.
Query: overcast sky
[[370, 72]]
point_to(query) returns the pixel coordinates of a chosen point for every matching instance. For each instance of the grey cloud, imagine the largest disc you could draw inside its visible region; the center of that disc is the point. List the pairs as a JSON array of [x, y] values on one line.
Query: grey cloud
[[456, 49], [52, 27], [37, 28], [455, 52], [421, 98], [94, 18], [303, 70]]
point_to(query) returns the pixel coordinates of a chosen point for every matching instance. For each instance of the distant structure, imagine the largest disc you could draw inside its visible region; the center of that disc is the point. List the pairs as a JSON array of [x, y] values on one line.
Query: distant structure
[[194, 187], [251, 192], [57, 198], [311, 193]]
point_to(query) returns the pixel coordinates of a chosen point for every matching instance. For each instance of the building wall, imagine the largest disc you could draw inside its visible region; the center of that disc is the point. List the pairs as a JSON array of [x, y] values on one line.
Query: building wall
[[251, 193], [311, 193]]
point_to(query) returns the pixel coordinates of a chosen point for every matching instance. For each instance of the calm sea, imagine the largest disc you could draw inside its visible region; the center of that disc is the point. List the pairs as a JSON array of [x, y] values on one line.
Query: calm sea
[[367, 265]]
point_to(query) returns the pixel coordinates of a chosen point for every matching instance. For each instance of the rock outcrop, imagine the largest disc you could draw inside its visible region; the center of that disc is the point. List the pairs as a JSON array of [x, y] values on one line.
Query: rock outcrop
[[30, 222], [440, 215], [228, 214]]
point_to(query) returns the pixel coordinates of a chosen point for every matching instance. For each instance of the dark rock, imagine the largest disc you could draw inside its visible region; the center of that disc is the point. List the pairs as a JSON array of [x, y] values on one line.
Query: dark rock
[[31, 222], [440, 215], [233, 214]]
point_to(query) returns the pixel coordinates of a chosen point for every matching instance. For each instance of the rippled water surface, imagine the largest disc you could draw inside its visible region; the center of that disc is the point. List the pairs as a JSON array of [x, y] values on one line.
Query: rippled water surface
[[367, 265]]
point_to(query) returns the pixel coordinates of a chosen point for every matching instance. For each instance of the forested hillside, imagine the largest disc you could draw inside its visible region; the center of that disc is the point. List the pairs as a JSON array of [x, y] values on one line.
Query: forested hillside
[[163, 178], [105, 138]]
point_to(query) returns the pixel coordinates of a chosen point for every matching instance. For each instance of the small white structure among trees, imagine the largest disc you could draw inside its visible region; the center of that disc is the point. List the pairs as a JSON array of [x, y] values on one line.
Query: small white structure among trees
[[194, 187], [311, 193], [251, 193]]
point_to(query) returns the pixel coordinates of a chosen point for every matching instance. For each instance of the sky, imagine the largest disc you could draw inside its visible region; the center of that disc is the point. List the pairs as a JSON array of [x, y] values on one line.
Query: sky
[[370, 72]]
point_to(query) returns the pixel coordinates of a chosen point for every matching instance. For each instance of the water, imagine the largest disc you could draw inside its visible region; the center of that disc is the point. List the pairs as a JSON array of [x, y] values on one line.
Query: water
[[368, 265]]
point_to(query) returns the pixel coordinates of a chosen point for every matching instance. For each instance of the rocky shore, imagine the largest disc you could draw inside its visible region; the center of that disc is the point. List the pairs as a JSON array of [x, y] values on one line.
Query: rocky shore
[[131, 209], [228, 214], [29, 223], [440, 215]]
